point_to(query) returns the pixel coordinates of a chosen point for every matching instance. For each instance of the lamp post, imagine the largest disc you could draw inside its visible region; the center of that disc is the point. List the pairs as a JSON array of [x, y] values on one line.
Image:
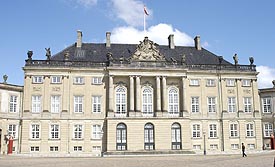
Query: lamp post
[[204, 145]]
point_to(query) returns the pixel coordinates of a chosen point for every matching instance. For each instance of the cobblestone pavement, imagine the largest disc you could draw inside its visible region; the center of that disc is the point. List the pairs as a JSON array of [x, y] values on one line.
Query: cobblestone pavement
[[265, 159]]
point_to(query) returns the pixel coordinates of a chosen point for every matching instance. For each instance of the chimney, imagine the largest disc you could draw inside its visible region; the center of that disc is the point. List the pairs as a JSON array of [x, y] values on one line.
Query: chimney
[[108, 40], [171, 41], [197, 42], [79, 39]]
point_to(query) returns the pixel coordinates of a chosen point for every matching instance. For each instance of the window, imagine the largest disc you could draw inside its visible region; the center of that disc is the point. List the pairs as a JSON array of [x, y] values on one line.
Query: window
[[213, 131], [230, 82], [234, 146], [121, 101], [210, 82], [96, 148], [96, 132], [54, 131], [149, 143], [195, 104], [34, 149], [234, 130], [79, 80], [247, 104], [196, 147], [35, 131], [96, 104], [231, 104], [173, 101], [12, 130], [55, 104], [56, 79], [176, 136], [250, 130], [78, 104], [147, 101], [78, 131], [36, 103], [96, 80], [196, 131], [251, 146], [267, 129], [13, 103], [121, 137], [53, 148], [246, 82], [266, 104], [213, 146], [37, 79], [194, 82], [77, 148], [211, 104]]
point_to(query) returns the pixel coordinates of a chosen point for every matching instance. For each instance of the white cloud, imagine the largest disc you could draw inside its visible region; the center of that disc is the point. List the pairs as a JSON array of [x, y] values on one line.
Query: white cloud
[[130, 11], [158, 33], [265, 76]]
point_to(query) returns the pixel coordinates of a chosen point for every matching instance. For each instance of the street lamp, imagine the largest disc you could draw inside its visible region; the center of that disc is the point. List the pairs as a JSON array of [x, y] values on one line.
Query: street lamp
[[204, 145]]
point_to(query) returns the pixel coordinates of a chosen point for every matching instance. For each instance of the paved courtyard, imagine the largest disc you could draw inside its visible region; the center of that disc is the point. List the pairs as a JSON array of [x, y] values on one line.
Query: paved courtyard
[[265, 159]]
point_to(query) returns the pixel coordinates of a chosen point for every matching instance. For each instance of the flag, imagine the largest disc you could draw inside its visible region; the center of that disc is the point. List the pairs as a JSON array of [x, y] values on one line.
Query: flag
[[145, 11]]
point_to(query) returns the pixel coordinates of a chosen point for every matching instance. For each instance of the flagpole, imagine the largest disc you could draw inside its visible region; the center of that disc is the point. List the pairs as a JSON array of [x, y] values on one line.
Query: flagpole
[[144, 23]]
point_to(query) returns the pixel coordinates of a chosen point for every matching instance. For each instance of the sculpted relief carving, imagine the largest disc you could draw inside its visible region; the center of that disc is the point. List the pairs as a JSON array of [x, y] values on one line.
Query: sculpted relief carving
[[147, 51]]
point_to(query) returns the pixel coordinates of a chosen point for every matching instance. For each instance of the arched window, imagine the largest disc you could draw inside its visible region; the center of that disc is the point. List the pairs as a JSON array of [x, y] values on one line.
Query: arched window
[[173, 101], [121, 137], [121, 101], [147, 101], [149, 143], [176, 136]]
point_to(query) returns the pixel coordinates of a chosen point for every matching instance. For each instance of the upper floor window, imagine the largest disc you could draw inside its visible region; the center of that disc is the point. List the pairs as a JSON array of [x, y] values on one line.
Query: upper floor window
[[121, 100], [78, 104], [147, 101], [246, 82], [266, 104], [96, 104], [12, 130], [56, 79], [13, 103], [231, 104], [37, 79], [195, 104], [268, 129], [211, 104], [194, 82], [36, 103], [247, 104], [96, 80], [55, 104], [173, 101], [230, 82], [210, 82], [79, 80]]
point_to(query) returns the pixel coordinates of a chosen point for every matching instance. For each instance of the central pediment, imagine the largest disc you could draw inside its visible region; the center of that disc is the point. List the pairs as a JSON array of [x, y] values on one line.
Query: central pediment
[[147, 51]]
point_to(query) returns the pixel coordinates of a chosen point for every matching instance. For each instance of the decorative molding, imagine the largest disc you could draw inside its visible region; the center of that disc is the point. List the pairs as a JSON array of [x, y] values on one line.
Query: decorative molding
[[35, 88], [247, 91], [120, 83], [147, 84], [56, 89], [231, 91]]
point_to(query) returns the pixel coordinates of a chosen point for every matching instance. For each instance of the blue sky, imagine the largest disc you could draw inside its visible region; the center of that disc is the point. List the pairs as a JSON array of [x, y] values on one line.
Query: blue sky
[[226, 27]]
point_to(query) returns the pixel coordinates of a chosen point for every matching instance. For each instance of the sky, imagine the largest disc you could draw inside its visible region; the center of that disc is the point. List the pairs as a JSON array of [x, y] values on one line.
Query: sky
[[242, 27]]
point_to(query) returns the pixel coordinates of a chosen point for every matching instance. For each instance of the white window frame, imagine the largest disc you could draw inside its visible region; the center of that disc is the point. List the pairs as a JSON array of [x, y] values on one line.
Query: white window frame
[[196, 131], [247, 101], [78, 104], [268, 129], [96, 80], [79, 80], [213, 130], [13, 103], [78, 148], [55, 103], [56, 79], [37, 79], [173, 101], [234, 146], [230, 82], [78, 131], [250, 130], [96, 131], [36, 103], [13, 130], [54, 149], [96, 104], [210, 82], [147, 101], [233, 130], [231, 104], [211, 104], [266, 104], [121, 101], [194, 82], [35, 131], [195, 105], [34, 149], [213, 146], [246, 82], [54, 131]]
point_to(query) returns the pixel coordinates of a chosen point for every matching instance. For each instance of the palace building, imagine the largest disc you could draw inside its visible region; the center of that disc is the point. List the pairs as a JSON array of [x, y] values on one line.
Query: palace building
[[122, 99]]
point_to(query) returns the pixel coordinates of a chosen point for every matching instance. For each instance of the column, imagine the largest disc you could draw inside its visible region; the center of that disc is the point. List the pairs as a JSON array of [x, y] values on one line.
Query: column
[[138, 93], [164, 94], [132, 107], [158, 94], [183, 100], [111, 94]]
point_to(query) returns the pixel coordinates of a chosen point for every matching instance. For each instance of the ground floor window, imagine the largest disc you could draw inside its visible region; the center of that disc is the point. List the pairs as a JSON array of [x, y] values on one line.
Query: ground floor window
[[121, 137], [234, 146], [34, 149], [149, 143], [77, 148], [53, 148], [176, 136]]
